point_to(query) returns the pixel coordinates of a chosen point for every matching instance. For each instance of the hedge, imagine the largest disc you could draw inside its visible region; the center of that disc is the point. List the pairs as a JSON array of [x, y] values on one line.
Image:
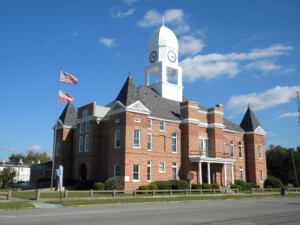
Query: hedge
[[207, 186], [196, 186], [274, 182], [215, 186], [99, 186], [236, 186], [153, 186]]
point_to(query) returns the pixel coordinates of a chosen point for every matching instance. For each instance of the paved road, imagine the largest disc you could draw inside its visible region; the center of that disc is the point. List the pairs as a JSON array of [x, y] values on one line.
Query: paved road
[[247, 211]]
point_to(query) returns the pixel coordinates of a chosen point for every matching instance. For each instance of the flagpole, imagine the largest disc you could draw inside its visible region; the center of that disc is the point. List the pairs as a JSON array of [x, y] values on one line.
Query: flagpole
[[54, 143]]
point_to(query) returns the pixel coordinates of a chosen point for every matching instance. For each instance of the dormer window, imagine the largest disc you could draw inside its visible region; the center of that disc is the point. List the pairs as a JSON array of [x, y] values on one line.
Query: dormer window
[[85, 113]]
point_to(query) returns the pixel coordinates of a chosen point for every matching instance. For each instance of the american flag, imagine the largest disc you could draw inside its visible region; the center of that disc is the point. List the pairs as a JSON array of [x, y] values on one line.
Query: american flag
[[67, 78]]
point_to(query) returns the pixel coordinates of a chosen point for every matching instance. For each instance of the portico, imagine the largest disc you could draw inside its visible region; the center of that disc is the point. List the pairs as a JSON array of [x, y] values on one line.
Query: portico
[[208, 161]]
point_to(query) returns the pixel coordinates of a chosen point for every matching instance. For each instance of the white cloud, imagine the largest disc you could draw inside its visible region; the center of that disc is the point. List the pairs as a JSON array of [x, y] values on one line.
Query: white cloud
[[270, 134], [108, 42], [174, 17], [75, 33], [11, 149], [293, 114], [129, 2], [190, 45], [215, 65], [35, 148], [120, 14], [264, 100], [265, 65]]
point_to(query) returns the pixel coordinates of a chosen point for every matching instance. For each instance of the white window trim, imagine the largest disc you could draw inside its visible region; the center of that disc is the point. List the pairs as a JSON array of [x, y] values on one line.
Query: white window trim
[[260, 152], [164, 167], [85, 113], [80, 142], [242, 169], [224, 147], [232, 156], [150, 124], [81, 128], [86, 143], [115, 171], [241, 150], [137, 120], [176, 167], [115, 141], [176, 145], [87, 127], [149, 135], [261, 178], [207, 149], [159, 125], [117, 121], [139, 173], [149, 166], [138, 139]]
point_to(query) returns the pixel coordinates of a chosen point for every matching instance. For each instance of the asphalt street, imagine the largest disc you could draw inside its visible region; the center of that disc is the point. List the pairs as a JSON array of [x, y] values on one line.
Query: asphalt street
[[247, 211]]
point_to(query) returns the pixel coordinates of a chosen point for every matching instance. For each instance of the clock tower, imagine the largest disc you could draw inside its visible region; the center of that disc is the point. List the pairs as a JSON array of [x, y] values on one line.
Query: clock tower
[[163, 63]]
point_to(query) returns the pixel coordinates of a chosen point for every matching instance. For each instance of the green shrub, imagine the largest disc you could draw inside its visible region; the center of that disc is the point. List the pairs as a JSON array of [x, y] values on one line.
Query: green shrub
[[163, 185], [257, 186], [268, 186], [236, 186], [144, 187], [99, 186], [248, 186], [215, 186], [179, 184], [241, 183], [153, 186], [274, 182], [196, 186], [116, 183], [206, 186]]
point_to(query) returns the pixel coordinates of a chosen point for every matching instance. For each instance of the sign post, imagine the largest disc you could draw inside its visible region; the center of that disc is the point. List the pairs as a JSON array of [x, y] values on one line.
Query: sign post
[[190, 177]]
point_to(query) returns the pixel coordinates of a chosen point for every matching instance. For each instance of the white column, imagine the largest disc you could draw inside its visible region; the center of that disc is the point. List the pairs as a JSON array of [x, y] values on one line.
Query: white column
[[200, 172], [208, 172], [232, 174], [225, 176]]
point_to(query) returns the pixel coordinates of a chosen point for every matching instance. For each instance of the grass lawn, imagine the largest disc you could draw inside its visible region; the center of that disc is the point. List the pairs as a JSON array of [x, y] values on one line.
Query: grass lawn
[[24, 194], [171, 199], [16, 205]]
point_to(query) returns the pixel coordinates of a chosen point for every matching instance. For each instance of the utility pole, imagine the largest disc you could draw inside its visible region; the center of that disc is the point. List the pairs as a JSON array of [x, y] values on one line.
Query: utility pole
[[298, 105], [295, 172]]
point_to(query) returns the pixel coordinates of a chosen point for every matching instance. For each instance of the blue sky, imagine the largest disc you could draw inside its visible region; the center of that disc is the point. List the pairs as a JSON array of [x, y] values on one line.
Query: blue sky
[[232, 52]]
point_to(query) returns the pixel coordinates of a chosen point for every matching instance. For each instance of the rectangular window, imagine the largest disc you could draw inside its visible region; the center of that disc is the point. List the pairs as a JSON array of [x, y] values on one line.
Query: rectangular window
[[174, 170], [224, 148], [136, 138], [116, 170], [137, 120], [161, 167], [87, 126], [57, 148], [174, 142], [80, 144], [232, 148], [85, 113], [203, 147], [240, 150], [241, 173], [259, 152], [149, 142], [149, 171], [86, 148], [162, 125], [81, 128], [149, 124], [117, 121], [136, 173], [261, 176], [117, 139]]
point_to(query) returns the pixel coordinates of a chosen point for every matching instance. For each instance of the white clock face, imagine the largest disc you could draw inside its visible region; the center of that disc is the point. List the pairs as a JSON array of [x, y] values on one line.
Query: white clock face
[[153, 56], [172, 56]]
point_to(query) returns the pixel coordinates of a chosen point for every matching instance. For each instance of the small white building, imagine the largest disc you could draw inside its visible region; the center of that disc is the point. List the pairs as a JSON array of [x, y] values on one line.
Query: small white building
[[22, 170]]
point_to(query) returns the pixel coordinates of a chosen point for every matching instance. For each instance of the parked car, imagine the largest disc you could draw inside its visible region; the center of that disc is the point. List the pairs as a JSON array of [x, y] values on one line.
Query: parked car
[[21, 184]]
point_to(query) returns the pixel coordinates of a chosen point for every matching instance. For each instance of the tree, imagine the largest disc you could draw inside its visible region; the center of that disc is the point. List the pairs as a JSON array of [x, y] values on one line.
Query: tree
[[31, 156], [280, 165], [7, 177]]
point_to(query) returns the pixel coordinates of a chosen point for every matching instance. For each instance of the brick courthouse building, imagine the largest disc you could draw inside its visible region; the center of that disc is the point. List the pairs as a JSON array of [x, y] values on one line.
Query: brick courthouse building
[[151, 132]]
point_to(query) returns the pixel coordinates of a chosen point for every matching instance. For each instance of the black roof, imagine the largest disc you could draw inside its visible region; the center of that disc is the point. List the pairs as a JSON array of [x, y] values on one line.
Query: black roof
[[249, 122], [69, 115], [128, 93], [232, 126]]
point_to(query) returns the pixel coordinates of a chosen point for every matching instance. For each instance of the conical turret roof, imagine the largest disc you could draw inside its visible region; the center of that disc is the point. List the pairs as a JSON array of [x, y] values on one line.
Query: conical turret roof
[[249, 122], [69, 115], [128, 93]]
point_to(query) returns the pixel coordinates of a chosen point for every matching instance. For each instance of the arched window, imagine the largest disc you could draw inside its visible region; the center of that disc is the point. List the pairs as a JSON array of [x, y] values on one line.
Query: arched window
[[174, 142], [232, 148], [240, 149]]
